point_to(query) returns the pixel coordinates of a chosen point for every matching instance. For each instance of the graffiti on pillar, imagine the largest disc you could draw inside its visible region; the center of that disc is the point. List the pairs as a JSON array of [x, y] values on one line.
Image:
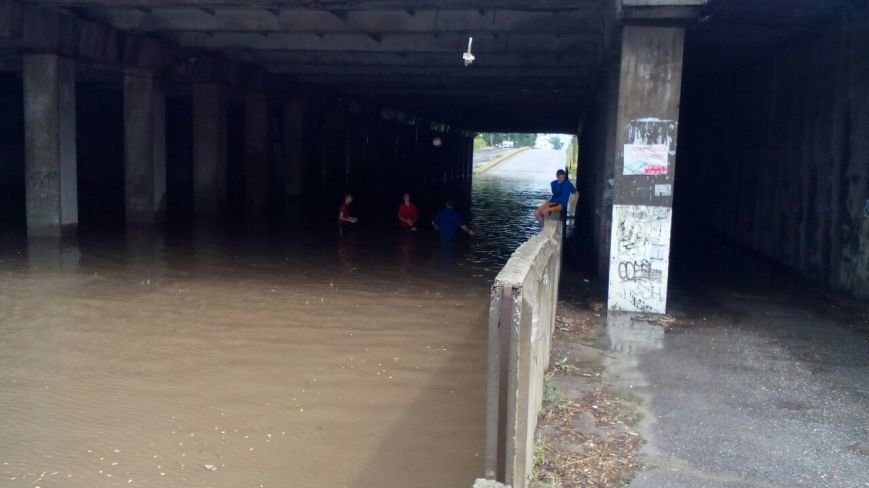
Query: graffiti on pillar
[[650, 147], [639, 258]]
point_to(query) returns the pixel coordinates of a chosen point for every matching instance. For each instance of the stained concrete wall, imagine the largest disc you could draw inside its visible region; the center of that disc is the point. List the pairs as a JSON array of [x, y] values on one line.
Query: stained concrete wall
[[775, 153]]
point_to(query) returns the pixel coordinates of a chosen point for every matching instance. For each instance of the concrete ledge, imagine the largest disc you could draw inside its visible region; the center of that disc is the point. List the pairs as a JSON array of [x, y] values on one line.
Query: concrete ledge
[[500, 159], [521, 323]]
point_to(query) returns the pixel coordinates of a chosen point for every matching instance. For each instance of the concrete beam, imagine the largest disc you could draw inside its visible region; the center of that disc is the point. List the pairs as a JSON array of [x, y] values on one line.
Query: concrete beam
[[660, 10], [499, 72], [348, 42], [34, 29], [664, 3], [527, 60], [281, 5], [407, 80], [430, 21], [50, 144]]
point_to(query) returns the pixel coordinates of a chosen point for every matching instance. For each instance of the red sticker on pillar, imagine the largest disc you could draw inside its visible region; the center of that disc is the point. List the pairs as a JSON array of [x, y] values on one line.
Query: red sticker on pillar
[[650, 144], [646, 159]]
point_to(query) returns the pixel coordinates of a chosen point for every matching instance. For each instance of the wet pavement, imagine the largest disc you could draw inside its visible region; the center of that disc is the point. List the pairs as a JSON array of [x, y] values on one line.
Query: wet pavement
[[760, 388], [224, 358]]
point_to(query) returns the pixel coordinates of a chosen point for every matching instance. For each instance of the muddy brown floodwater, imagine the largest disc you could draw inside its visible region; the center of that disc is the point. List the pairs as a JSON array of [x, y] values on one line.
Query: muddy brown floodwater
[[266, 360]]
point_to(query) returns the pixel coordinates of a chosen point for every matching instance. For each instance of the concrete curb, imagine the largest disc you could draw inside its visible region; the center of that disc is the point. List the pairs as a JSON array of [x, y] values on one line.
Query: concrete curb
[[500, 159]]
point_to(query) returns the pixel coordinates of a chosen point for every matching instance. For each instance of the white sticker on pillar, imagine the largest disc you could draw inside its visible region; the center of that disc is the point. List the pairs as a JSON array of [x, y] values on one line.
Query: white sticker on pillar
[[664, 190], [639, 258], [646, 159]]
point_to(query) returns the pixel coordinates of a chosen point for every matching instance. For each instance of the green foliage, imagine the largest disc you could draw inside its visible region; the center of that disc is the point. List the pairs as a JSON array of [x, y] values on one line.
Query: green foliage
[[562, 364], [480, 143], [556, 142], [573, 156], [519, 139], [539, 453], [553, 399]]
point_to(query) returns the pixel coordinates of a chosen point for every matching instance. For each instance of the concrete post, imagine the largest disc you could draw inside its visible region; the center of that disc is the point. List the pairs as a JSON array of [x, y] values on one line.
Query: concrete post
[[294, 111], [139, 174], [256, 153], [645, 166], [159, 154], [49, 144], [209, 149]]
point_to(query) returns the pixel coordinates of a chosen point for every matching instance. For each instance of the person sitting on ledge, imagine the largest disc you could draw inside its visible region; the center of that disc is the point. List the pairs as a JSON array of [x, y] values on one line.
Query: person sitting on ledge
[[562, 189]]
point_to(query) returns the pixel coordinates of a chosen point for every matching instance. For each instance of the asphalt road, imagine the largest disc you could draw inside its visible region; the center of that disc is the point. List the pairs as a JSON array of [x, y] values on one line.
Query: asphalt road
[[751, 390], [485, 155], [532, 163]]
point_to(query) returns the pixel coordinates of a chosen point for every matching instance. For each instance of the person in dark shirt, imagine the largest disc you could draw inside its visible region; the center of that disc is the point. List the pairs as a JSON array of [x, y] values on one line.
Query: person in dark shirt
[[344, 217], [448, 222], [407, 214], [562, 189]]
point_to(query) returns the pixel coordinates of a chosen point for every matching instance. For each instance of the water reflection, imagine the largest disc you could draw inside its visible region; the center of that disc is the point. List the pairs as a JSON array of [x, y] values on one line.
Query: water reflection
[[630, 335]]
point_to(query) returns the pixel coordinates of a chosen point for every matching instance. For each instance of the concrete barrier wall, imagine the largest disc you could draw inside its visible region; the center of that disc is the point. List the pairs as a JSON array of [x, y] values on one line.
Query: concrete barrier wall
[[521, 323]]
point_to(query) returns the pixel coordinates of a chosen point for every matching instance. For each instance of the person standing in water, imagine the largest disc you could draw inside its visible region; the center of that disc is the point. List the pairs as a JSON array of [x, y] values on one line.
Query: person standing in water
[[448, 222], [562, 189], [407, 214], [344, 217]]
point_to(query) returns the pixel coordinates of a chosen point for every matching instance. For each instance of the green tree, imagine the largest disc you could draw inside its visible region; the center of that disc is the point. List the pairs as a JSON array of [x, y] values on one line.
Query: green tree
[[519, 139], [573, 156], [480, 142], [556, 142]]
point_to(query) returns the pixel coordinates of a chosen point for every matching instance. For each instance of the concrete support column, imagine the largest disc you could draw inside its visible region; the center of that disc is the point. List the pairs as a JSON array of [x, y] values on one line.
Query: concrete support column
[[645, 163], [256, 153], [49, 143], [209, 149], [294, 111], [159, 153], [139, 171]]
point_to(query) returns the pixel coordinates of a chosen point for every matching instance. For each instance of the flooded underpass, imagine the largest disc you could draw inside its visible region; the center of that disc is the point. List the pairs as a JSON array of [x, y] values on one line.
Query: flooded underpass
[[266, 359]]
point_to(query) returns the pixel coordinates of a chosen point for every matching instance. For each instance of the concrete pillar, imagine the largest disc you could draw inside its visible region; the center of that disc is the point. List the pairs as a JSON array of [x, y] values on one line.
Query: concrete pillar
[[646, 134], [139, 175], [294, 111], [49, 144], [256, 153], [209, 149], [159, 154]]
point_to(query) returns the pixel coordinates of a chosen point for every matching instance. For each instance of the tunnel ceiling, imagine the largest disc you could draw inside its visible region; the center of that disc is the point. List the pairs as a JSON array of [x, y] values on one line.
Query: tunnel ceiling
[[535, 60]]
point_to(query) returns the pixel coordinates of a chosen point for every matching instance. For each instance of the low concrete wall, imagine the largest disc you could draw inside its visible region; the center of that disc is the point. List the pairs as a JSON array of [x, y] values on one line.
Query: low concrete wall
[[521, 323], [500, 159]]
